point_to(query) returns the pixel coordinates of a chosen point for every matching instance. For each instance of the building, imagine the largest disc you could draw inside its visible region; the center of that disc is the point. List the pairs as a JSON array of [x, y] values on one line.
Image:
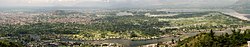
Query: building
[[124, 14]]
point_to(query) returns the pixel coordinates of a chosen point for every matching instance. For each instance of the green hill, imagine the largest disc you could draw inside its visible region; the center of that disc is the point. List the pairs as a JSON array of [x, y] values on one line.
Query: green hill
[[236, 39], [4, 43]]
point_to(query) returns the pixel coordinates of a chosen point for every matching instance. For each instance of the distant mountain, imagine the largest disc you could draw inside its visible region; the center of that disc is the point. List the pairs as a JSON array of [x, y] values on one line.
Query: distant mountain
[[242, 4]]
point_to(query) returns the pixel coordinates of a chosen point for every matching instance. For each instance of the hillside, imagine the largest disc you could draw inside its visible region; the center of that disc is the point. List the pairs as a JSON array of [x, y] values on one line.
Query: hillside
[[4, 43], [236, 39]]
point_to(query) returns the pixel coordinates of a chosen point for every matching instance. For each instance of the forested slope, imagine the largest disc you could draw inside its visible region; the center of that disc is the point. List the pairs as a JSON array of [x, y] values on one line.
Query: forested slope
[[236, 39]]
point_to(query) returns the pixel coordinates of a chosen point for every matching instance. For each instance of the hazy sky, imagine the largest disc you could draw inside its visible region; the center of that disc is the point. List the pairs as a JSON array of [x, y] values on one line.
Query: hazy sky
[[115, 3]]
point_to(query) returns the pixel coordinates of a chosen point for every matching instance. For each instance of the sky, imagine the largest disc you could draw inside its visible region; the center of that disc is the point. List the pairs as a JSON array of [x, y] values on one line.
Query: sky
[[115, 3]]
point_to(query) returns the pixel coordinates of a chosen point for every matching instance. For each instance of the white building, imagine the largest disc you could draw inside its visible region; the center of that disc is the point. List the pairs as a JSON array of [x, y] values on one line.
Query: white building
[[159, 15], [124, 14]]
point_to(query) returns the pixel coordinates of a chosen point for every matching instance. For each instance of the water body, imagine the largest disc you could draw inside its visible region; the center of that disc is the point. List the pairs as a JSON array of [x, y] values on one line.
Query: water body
[[129, 43], [236, 14], [135, 43], [230, 12]]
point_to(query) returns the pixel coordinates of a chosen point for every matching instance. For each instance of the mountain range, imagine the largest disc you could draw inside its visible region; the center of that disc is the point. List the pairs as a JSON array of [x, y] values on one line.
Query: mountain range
[[241, 4]]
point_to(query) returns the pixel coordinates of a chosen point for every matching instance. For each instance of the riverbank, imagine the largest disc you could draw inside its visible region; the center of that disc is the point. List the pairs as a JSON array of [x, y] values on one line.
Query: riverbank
[[237, 15]]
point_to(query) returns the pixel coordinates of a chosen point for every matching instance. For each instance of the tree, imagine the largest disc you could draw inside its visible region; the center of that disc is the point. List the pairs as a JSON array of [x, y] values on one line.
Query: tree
[[211, 34], [172, 41], [226, 35]]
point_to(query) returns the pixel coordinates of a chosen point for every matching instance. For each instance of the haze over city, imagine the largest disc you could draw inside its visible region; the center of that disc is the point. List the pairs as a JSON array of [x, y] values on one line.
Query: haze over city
[[124, 23], [116, 3]]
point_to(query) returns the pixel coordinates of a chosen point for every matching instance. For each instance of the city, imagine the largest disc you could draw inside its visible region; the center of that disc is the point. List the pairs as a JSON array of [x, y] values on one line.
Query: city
[[72, 26]]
